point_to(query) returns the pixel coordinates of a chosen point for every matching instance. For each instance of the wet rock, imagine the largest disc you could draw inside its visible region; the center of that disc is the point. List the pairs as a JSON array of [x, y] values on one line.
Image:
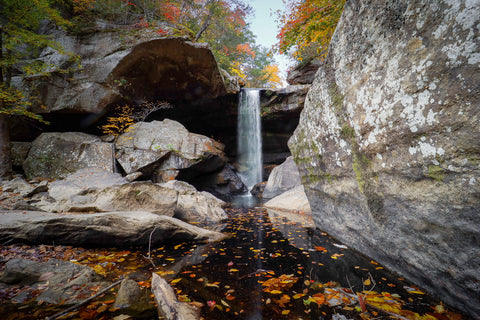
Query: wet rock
[[53, 279], [257, 190], [133, 300], [223, 184], [282, 178], [110, 229], [159, 146], [388, 146], [55, 155]]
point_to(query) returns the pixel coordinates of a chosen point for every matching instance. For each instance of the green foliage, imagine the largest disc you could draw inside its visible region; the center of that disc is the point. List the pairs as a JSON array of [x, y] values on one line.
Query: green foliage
[[307, 27], [20, 44]]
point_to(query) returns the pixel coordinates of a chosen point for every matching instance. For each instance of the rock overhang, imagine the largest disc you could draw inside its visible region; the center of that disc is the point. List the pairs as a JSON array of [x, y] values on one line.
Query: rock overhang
[[168, 69]]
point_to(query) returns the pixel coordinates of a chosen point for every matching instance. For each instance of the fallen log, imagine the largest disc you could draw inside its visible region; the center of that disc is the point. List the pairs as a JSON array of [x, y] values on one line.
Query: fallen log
[[167, 303]]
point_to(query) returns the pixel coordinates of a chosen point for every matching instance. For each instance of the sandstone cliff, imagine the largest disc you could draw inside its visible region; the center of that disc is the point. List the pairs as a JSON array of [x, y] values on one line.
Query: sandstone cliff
[[388, 144]]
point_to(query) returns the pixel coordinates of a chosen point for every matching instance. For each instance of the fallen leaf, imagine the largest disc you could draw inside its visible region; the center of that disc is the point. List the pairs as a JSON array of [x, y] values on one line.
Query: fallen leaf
[[275, 291], [367, 282]]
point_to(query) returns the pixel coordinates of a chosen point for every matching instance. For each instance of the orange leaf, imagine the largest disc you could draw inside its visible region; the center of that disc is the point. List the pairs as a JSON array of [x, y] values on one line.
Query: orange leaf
[[319, 298]]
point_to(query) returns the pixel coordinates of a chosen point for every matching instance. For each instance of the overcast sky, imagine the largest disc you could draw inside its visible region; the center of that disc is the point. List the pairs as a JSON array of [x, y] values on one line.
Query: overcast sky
[[264, 27]]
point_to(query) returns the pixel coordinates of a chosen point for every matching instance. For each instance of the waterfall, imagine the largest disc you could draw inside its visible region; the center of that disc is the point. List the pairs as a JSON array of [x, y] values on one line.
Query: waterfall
[[249, 135]]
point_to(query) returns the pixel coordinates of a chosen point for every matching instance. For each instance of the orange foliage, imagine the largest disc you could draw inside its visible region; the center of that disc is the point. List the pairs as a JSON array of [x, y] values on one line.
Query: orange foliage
[[245, 49], [308, 23]]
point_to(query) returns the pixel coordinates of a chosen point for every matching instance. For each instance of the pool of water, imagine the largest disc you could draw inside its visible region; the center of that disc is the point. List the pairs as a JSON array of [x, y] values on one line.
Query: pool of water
[[274, 265], [276, 268]]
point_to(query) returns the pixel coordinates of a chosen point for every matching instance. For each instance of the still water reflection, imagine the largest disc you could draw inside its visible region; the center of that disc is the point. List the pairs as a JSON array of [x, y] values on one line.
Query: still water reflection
[[275, 268]]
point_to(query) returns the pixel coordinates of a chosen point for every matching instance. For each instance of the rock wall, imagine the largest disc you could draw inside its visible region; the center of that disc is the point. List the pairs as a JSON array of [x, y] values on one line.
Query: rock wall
[[388, 144]]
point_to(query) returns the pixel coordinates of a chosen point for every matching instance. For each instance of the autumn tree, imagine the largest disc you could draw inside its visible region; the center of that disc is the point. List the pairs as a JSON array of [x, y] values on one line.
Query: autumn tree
[[307, 27], [20, 44]]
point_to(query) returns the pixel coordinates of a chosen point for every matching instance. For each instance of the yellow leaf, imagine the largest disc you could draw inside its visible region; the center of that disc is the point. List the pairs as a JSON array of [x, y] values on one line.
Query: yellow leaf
[[285, 311], [298, 296], [367, 282], [275, 292], [233, 270], [175, 281]]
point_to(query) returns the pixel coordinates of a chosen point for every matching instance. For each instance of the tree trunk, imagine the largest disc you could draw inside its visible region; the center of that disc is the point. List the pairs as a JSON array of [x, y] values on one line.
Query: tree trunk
[[5, 152], [207, 21]]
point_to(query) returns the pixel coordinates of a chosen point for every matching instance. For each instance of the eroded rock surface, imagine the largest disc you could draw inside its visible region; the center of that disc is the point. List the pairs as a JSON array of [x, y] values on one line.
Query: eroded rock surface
[[282, 178], [54, 281], [163, 148], [388, 142], [110, 229], [290, 99], [194, 206], [57, 154], [294, 199], [121, 64]]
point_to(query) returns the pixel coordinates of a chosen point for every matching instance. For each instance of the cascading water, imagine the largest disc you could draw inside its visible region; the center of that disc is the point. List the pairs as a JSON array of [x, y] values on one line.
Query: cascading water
[[249, 135]]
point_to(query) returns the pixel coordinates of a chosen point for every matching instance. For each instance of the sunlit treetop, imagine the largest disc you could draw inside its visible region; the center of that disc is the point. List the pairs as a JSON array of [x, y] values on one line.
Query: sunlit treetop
[[307, 27]]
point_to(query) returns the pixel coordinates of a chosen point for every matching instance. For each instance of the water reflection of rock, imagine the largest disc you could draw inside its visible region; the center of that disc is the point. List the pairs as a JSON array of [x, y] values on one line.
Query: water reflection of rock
[[293, 226], [329, 260]]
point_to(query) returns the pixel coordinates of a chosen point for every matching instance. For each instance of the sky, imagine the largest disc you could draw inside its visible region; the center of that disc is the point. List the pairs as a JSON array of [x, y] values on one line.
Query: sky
[[263, 25]]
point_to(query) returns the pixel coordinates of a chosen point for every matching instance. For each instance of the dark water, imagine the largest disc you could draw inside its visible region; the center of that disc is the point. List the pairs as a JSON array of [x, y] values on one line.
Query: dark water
[[269, 268], [229, 277]]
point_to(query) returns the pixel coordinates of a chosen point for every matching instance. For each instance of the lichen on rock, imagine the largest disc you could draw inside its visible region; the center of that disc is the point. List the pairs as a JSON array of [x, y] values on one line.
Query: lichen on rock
[[392, 120]]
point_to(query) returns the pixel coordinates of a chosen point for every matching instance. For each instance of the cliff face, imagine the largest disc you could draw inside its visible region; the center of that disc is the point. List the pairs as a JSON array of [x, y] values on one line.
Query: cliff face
[[388, 143], [123, 65]]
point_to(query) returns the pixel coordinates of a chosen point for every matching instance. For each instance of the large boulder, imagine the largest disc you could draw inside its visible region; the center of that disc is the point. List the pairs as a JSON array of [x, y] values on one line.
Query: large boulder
[[84, 179], [194, 206], [55, 155], [294, 199], [136, 196], [282, 178], [95, 190], [163, 148], [19, 152], [53, 281], [388, 142], [110, 229]]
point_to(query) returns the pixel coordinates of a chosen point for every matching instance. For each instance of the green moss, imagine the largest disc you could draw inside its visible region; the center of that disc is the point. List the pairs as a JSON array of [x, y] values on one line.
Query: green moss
[[336, 97], [360, 165], [347, 133], [436, 172]]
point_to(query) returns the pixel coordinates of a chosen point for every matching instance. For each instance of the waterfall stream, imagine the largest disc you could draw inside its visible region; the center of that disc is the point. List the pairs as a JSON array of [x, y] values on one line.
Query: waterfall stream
[[249, 135]]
